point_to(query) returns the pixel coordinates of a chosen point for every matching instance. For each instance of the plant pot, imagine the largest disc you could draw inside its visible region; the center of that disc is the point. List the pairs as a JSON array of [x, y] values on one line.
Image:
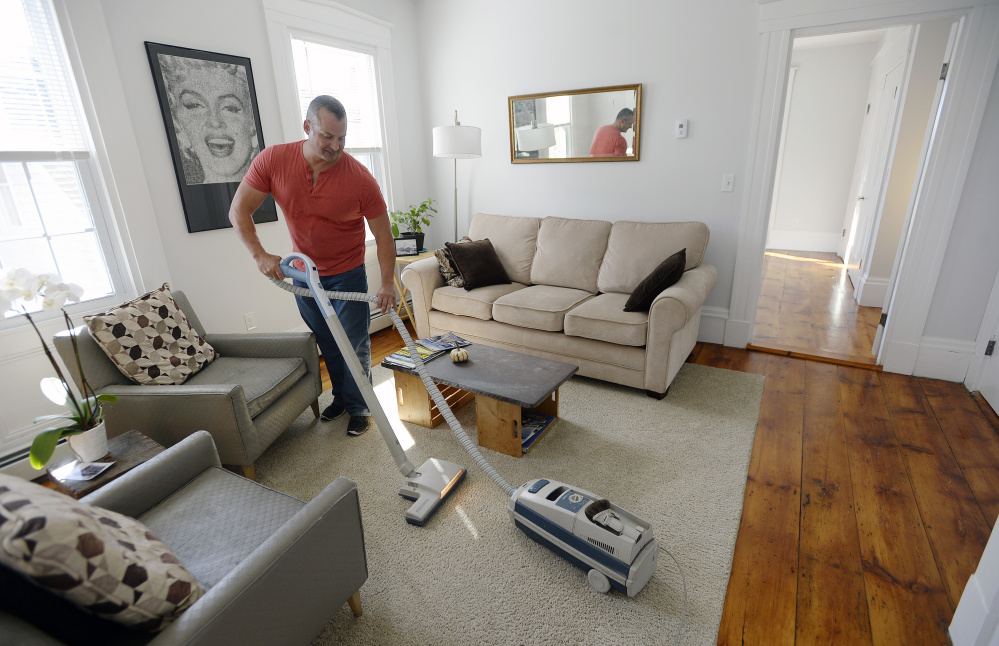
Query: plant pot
[[419, 238], [91, 445]]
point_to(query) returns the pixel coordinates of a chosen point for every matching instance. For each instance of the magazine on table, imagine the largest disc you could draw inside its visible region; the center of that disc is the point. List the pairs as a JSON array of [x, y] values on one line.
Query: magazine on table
[[448, 341], [533, 423]]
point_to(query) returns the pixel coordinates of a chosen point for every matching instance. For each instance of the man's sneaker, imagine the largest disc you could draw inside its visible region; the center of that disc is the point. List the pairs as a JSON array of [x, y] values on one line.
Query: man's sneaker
[[332, 412], [358, 425]]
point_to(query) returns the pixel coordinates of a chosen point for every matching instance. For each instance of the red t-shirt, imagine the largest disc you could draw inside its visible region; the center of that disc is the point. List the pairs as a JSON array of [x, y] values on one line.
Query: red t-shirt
[[325, 221], [608, 142]]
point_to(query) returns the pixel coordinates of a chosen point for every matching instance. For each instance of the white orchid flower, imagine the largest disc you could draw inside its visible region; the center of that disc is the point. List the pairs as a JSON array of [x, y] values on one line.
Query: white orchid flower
[[54, 300], [75, 292], [49, 279]]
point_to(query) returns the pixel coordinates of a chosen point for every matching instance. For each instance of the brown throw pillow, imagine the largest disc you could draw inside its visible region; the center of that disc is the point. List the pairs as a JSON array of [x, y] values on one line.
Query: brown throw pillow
[[663, 276], [150, 340], [478, 263], [446, 266], [107, 564]]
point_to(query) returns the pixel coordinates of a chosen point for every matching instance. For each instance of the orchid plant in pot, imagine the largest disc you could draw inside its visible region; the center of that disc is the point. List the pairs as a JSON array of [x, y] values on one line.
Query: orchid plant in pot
[[83, 422]]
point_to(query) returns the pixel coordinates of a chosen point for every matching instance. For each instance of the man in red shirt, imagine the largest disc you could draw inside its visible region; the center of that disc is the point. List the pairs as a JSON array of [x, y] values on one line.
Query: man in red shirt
[[325, 196], [608, 142]]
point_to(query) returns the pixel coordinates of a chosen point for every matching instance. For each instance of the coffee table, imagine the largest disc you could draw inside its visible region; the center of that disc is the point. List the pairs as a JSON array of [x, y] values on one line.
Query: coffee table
[[505, 384]]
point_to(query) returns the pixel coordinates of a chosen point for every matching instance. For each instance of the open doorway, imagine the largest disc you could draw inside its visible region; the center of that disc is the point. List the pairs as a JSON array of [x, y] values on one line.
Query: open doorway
[[858, 106]]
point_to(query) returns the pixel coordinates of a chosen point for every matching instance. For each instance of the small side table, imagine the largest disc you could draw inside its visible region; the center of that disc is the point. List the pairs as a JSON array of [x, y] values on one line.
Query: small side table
[[403, 261], [128, 451]]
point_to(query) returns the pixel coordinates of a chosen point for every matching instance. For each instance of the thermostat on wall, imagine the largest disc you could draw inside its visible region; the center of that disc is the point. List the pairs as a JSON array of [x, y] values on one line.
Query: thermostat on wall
[[681, 129]]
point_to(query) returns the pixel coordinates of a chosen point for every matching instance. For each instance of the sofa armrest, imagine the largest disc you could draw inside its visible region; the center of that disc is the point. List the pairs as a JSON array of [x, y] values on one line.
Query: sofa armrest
[[303, 573], [422, 278], [269, 345], [169, 414], [673, 310], [145, 486]]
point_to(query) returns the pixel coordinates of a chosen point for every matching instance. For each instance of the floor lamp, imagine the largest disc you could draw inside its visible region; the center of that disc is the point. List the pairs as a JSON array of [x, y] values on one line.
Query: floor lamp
[[457, 142]]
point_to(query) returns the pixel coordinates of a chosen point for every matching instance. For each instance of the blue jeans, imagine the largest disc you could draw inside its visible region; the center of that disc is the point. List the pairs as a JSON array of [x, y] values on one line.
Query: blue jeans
[[355, 317]]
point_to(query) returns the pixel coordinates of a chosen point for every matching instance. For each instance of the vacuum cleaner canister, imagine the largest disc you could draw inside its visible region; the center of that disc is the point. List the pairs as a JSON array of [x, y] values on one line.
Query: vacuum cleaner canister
[[613, 546]]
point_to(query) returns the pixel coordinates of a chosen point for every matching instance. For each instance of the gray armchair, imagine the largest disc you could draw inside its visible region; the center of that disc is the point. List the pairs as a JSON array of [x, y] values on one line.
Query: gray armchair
[[245, 398], [275, 569]]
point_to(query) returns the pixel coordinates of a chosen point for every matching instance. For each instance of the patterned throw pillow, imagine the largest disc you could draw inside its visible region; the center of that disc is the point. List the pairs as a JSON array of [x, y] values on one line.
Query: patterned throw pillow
[[150, 340], [449, 271], [107, 564]]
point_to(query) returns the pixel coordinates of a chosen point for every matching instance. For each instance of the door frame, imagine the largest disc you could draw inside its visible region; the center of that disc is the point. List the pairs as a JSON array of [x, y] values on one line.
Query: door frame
[[973, 67]]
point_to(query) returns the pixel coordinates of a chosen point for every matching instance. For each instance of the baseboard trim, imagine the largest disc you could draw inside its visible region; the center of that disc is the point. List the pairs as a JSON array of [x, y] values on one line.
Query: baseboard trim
[[872, 291], [946, 359], [712, 328], [804, 240]]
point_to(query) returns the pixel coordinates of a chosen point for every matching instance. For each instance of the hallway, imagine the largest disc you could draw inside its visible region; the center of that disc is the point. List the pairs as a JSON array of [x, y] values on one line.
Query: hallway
[[806, 308]]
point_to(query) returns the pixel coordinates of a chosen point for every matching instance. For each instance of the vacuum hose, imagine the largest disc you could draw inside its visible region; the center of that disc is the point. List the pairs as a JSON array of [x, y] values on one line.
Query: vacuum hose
[[435, 393]]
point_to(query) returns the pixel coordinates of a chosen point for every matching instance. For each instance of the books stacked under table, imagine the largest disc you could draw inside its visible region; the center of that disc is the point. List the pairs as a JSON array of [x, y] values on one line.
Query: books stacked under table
[[532, 426], [429, 349]]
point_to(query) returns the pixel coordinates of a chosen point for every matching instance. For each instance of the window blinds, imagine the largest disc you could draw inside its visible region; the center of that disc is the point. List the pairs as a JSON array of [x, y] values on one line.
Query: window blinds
[[38, 110]]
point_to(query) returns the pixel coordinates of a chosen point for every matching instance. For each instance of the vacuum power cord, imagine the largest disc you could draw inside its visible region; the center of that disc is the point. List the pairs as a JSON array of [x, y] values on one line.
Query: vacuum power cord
[[470, 445]]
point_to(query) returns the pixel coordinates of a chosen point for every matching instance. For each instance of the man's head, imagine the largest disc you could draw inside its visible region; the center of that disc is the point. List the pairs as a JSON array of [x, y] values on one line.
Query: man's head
[[326, 127], [625, 119]]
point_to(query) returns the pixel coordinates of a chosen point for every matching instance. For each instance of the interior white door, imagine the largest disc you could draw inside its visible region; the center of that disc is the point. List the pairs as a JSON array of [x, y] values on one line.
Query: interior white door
[[886, 110]]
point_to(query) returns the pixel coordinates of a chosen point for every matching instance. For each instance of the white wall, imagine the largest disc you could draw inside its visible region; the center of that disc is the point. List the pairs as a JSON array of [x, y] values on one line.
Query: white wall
[[701, 68], [927, 57], [971, 261], [827, 110]]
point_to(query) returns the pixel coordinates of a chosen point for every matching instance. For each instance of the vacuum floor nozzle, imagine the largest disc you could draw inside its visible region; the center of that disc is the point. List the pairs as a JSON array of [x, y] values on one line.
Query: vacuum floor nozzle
[[434, 481]]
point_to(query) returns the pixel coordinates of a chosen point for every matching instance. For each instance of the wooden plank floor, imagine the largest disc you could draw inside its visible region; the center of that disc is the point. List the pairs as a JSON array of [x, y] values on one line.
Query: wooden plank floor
[[868, 502], [806, 305]]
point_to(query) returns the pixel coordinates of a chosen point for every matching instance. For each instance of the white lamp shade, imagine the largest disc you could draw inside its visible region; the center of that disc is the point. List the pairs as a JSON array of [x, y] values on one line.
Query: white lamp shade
[[539, 138], [457, 142]]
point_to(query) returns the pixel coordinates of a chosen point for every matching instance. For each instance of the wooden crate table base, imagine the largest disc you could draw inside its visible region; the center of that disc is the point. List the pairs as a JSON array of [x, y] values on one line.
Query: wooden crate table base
[[495, 379]]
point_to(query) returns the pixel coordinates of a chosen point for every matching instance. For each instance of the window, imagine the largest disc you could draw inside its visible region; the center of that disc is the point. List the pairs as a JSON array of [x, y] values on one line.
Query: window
[[560, 115], [349, 76], [52, 217]]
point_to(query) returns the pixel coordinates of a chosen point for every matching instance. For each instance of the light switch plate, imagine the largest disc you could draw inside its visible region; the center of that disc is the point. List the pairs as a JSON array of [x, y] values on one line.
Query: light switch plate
[[728, 183]]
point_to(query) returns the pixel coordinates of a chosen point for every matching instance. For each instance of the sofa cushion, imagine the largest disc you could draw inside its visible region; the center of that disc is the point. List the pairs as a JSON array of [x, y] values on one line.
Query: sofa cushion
[[570, 252], [215, 521], [665, 275], [634, 249], [150, 339], [477, 303], [264, 380], [514, 238], [602, 318], [105, 563], [541, 307], [478, 263]]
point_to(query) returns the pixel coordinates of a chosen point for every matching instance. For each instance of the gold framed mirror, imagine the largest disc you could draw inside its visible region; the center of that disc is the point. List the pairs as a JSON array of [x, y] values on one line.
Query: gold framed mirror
[[590, 125]]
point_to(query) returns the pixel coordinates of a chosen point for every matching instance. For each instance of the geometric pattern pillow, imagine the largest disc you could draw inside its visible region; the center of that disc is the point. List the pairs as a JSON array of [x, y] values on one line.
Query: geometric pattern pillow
[[107, 564], [150, 340]]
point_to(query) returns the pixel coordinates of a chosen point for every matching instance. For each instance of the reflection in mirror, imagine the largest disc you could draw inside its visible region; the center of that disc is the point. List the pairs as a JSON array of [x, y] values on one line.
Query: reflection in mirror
[[595, 124]]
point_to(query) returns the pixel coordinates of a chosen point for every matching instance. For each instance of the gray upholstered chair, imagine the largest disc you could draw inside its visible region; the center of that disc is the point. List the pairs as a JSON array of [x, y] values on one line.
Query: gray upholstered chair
[[275, 569], [245, 398]]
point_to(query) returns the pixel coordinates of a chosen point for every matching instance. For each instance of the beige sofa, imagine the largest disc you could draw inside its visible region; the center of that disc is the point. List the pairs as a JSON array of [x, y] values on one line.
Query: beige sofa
[[571, 280]]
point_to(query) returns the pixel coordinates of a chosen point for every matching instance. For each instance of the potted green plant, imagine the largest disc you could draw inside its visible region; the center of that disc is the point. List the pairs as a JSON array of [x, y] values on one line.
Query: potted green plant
[[410, 223], [83, 423]]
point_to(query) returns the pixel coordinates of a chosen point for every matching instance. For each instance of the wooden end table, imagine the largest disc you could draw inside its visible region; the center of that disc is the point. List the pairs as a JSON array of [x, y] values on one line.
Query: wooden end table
[[402, 261], [128, 451], [505, 384]]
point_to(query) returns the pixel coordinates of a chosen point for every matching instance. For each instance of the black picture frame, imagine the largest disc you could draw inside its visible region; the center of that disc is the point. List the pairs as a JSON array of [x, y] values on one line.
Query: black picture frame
[[204, 97], [406, 247]]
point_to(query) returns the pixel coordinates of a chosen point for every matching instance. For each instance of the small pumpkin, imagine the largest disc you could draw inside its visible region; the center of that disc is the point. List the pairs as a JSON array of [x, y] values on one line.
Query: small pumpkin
[[459, 355]]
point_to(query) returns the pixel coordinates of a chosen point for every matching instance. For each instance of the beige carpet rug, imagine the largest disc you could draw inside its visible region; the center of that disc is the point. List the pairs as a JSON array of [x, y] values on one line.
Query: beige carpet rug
[[471, 577]]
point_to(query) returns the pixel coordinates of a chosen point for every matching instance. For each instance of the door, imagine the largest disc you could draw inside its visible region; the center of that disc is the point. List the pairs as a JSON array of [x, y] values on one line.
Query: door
[[886, 110]]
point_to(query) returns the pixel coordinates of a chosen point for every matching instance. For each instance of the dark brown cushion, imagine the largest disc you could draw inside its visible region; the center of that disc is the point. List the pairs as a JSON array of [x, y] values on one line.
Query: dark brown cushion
[[663, 276], [478, 263], [446, 266]]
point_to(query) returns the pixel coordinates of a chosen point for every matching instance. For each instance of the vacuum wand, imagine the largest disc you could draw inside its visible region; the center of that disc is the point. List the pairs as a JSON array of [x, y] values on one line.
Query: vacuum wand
[[311, 278]]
